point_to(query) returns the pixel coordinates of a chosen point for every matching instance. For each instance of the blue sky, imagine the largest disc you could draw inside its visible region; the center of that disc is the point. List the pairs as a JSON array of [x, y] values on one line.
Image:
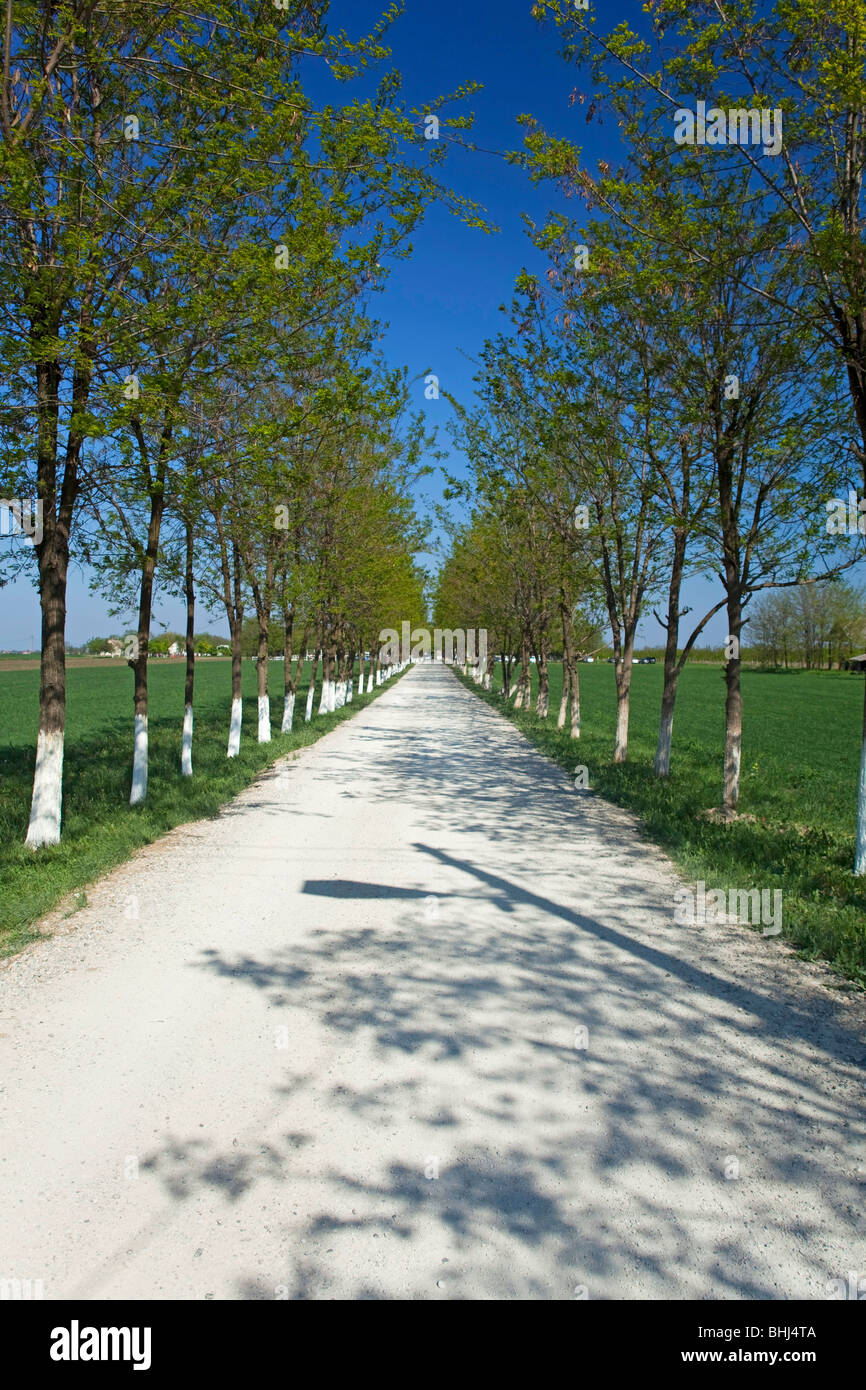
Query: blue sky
[[442, 303]]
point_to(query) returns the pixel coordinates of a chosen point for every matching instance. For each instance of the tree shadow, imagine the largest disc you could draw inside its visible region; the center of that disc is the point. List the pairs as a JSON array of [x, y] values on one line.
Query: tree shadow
[[532, 1082]]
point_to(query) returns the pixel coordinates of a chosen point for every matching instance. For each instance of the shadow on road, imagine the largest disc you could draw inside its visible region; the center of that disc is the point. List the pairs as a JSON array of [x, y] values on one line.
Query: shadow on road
[[589, 1073]]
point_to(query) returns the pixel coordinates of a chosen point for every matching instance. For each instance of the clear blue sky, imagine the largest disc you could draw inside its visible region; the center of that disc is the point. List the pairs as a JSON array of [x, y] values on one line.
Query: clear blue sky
[[443, 303]]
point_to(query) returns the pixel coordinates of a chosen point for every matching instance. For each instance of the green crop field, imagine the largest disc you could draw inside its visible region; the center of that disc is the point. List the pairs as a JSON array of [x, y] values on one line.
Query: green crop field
[[801, 751], [99, 827], [800, 765]]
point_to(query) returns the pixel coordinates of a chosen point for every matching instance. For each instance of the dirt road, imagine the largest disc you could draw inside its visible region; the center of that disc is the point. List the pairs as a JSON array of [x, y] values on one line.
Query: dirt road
[[413, 1019]]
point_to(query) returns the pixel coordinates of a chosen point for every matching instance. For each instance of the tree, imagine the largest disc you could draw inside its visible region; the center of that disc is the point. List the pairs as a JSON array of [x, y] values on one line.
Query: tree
[[123, 283], [762, 391]]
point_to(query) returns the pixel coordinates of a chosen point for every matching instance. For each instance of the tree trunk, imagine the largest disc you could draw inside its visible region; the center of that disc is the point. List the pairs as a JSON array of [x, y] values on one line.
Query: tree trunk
[[575, 700], [506, 690], [45, 806], [622, 672], [570, 682], [288, 712], [236, 622], [523, 692], [361, 666], [342, 679], [733, 594], [488, 674], [662, 765], [234, 747], [264, 699], [542, 703], [290, 682], [860, 852], [311, 693], [332, 680], [326, 667], [53, 560], [189, 684], [733, 708], [138, 662], [263, 599]]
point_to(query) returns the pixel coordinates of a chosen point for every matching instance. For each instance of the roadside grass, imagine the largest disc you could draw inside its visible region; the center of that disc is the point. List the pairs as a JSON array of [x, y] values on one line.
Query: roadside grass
[[800, 766], [100, 829]]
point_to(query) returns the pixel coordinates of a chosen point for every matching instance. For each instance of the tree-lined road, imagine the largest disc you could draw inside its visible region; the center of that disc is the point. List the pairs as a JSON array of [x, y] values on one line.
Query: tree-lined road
[[413, 1019]]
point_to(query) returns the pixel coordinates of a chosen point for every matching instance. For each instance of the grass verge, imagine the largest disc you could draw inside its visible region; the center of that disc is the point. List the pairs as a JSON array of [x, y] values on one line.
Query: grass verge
[[801, 744]]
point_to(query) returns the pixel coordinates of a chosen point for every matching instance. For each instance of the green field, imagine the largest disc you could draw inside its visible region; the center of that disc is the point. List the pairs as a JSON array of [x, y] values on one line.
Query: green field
[[801, 750], [99, 827], [800, 766]]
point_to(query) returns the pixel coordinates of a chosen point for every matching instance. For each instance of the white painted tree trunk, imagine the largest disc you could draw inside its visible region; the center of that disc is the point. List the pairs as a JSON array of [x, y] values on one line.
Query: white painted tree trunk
[[332, 696], [288, 713], [44, 827], [860, 843], [621, 739], [264, 719], [349, 693], [310, 696], [139, 762], [235, 729], [324, 702], [369, 684], [860, 853], [186, 745], [341, 695]]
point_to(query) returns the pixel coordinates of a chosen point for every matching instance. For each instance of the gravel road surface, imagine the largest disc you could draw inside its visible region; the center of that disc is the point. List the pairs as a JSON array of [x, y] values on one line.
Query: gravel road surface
[[413, 1019]]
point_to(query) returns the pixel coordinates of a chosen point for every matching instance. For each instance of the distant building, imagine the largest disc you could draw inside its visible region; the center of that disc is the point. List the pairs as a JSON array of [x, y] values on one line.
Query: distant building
[[856, 663]]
